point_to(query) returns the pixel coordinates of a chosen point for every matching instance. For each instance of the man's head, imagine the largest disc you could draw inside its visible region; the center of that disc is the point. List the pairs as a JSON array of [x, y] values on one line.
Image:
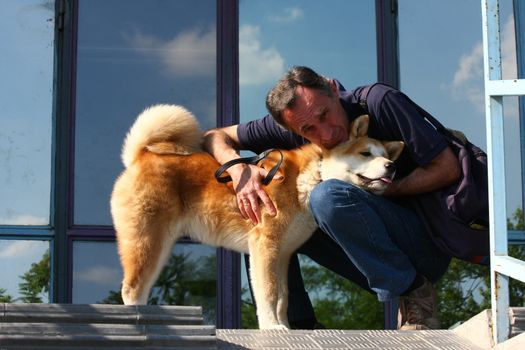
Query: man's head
[[308, 104]]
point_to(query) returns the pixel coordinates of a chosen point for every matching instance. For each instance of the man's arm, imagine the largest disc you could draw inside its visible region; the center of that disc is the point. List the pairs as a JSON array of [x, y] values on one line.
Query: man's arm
[[223, 144], [442, 171]]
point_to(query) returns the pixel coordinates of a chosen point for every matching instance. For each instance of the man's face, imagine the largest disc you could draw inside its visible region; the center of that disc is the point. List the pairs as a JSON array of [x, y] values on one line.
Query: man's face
[[318, 117]]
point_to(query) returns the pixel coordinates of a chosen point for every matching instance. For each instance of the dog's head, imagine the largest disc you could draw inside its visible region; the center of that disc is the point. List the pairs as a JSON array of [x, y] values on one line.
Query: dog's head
[[362, 161]]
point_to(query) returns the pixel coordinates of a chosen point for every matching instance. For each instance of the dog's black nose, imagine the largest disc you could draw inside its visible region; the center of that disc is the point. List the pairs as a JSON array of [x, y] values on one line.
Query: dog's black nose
[[390, 166]]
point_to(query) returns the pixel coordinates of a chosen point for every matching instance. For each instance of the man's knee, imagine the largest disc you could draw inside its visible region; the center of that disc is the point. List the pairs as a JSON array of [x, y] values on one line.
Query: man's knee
[[328, 195], [322, 195]]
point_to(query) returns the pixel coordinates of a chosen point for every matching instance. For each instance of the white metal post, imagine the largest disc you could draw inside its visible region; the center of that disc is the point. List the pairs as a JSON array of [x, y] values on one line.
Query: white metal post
[[496, 172], [502, 266]]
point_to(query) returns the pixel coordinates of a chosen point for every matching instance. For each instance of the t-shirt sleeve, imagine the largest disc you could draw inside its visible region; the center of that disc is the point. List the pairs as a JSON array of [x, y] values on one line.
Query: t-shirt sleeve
[[404, 120], [262, 134]]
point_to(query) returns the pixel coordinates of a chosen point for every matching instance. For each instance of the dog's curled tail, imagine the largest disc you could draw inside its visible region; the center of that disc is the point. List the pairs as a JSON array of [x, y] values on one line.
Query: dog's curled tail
[[163, 129]]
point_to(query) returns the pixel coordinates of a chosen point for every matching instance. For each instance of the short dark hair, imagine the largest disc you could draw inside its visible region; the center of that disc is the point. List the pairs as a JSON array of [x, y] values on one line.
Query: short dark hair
[[283, 96]]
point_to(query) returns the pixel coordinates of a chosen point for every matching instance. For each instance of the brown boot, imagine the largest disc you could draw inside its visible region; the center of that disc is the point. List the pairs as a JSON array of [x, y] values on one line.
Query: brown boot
[[418, 309]]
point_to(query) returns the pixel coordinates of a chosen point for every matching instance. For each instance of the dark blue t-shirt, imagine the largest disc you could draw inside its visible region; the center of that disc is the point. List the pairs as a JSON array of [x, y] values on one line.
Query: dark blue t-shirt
[[393, 117]]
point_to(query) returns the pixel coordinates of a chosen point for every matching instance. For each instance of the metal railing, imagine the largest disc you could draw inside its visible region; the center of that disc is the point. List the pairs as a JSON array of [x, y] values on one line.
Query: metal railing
[[502, 266]]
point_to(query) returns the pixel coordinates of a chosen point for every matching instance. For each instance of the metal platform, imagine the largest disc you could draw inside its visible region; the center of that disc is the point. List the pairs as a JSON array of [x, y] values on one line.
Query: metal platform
[[341, 339], [101, 327]]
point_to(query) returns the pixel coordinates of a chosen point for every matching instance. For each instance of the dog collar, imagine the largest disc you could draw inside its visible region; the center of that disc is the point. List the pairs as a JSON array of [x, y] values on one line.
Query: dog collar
[[250, 160]]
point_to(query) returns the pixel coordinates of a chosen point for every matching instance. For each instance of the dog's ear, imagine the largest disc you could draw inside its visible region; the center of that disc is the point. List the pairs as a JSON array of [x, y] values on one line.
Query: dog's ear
[[359, 127], [394, 148]]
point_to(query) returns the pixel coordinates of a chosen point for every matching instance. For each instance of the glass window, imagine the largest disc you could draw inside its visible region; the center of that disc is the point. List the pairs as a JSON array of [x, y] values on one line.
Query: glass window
[[337, 39], [26, 105], [25, 271], [155, 51], [327, 36], [189, 277]]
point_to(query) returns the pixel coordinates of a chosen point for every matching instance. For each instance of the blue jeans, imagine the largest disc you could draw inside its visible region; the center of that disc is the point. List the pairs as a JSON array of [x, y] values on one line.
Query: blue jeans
[[367, 239]]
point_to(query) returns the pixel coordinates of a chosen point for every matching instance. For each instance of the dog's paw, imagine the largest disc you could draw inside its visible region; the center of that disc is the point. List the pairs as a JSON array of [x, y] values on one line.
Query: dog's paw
[[279, 327]]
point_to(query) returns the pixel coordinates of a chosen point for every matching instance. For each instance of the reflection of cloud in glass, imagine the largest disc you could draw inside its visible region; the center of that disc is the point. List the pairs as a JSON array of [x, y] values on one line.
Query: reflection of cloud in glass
[[468, 78], [190, 53], [257, 65], [21, 249], [288, 15], [23, 219], [100, 275]]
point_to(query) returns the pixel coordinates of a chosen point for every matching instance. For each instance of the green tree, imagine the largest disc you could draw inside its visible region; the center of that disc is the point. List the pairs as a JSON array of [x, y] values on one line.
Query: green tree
[[35, 282], [5, 298], [339, 303]]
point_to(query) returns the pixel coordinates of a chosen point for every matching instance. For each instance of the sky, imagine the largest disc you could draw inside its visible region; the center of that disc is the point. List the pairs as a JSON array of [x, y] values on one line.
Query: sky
[[160, 52]]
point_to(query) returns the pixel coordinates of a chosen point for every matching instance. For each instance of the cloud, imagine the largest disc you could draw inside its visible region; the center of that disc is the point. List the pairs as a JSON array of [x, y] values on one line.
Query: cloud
[[190, 53], [24, 219], [290, 14], [100, 275], [468, 81], [257, 65], [21, 249]]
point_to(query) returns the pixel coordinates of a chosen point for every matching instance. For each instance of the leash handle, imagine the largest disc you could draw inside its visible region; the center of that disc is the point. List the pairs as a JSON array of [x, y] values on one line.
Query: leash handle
[[250, 160]]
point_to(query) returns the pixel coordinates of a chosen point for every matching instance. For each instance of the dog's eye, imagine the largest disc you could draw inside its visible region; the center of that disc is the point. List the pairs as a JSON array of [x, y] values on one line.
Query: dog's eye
[[366, 154]]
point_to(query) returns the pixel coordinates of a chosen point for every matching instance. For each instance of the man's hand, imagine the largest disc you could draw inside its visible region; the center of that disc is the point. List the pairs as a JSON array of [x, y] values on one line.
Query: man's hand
[[223, 144], [247, 185], [442, 171]]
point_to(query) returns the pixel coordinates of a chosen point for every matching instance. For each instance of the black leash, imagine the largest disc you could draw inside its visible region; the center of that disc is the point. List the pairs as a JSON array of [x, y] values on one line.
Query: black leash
[[250, 160]]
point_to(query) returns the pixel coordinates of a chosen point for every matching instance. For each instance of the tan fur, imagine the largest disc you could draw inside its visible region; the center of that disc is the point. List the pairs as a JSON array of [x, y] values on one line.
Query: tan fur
[[168, 190]]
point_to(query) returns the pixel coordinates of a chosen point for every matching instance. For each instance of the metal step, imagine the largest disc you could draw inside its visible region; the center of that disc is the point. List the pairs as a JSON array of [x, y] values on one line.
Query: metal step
[[99, 313], [517, 321], [66, 326], [234, 339]]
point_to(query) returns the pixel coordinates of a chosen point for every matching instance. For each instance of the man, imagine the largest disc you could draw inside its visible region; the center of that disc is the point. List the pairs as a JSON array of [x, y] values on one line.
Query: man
[[377, 242]]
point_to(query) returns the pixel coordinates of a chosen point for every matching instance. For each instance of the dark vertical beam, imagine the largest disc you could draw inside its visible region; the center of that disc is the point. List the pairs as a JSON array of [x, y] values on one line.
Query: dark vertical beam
[[387, 42], [228, 263], [519, 25], [63, 106]]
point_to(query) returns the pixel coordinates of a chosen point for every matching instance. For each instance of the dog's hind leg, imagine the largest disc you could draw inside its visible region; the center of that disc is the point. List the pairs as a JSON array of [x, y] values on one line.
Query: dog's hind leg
[[263, 273], [143, 258]]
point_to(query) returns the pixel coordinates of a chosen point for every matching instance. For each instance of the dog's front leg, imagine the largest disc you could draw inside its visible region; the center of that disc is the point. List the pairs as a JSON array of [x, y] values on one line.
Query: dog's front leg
[[263, 273], [282, 301]]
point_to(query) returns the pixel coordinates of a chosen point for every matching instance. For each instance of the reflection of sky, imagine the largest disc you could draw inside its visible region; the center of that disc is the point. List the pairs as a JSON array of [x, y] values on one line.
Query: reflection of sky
[[16, 258], [153, 52], [26, 88]]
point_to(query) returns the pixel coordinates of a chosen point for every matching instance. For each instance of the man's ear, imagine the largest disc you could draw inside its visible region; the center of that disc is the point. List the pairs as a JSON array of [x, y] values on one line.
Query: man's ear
[[333, 87], [359, 127], [394, 148]]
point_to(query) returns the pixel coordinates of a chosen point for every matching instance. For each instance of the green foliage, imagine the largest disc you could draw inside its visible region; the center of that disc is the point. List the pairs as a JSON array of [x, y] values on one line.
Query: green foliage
[[338, 303], [35, 282], [248, 313], [5, 298]]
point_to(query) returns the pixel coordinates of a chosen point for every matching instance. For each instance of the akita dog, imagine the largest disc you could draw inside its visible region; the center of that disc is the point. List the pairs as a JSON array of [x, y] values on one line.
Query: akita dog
[[168, 190]]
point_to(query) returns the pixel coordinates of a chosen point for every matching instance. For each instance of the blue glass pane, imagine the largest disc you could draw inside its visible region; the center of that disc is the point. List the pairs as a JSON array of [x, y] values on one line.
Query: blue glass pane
[[25, 272], [26, 106], [132, 54], [336, 38]]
